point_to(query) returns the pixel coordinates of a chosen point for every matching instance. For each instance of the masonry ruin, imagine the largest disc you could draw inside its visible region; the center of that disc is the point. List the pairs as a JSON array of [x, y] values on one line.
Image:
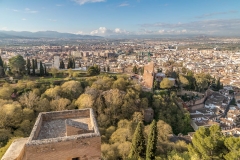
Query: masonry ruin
[[61, 135], [148, 75]]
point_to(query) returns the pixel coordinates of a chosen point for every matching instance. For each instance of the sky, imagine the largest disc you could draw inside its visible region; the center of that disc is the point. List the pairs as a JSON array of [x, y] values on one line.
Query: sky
[[120, 17]]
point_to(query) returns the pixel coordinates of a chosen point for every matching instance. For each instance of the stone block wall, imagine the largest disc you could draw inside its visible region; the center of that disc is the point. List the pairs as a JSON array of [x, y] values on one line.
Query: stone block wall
[[70, 130], [88, 148], [66, 114]]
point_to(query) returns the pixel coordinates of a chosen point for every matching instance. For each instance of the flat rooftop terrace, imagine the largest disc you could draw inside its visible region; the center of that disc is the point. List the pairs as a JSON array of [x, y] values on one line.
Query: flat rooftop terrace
[[57, 128], [60, 124]]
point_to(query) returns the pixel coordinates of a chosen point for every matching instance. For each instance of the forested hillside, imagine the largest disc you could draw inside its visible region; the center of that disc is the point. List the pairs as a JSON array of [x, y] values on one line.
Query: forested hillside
[[118, 103]]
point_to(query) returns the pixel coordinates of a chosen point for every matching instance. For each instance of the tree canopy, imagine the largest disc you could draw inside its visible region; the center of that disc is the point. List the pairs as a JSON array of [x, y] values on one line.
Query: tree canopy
[[17, 64]]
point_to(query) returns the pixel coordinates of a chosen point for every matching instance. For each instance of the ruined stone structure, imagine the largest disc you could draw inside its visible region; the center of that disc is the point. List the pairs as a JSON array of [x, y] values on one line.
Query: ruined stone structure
[[148, 115], [148, 75], [199, 102], [62, 135]]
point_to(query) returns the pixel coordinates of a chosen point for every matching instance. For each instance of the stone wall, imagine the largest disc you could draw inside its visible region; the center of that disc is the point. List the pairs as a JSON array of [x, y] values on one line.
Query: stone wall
[[88, 148], [196, 103], [66, 114], [70, 130], [189, 92]]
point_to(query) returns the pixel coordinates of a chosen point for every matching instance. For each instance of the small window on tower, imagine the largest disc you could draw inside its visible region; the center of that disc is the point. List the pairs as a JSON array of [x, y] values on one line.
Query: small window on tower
[[77, 158]]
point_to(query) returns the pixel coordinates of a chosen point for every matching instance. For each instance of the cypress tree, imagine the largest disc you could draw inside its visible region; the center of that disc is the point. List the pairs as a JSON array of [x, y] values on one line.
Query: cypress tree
[[80, 64], [138, 148], [2, 72], [108, 68], [218, 85], [1, 62], [62, 66], [35, 63], [70, 63], [73, 62], [41, 69], [45, 70], [28, 66], [152, 142], [33, 67], [135, 70]]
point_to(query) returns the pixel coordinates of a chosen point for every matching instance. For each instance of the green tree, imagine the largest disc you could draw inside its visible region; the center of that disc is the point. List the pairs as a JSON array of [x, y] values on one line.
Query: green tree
[[45, 70], [70, 63], [28, 66], [60, 104], [166, 83], [218, 84], [208, 143], [1, 61], [70, 72], [33, 67], [17, 64], [29, 100], [135, 70], [141, 71], [2, 72], [71, 89], [41, 69], [73, 63], [35, 63], [93, 70], [108, 68], [138, 148], [183, 80], [62, 65], [233, 146], [54, 72], [152, 142]]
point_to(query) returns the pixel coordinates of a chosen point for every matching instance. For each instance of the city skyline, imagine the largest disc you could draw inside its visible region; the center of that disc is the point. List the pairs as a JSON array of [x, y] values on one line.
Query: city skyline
[[118, 17]]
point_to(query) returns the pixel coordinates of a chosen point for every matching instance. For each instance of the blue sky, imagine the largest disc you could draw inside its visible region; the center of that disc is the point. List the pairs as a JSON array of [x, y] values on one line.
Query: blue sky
[[113, 17]]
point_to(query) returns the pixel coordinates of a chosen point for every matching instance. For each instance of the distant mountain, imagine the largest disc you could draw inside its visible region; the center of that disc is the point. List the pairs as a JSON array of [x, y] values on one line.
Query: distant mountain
[[44, 34]]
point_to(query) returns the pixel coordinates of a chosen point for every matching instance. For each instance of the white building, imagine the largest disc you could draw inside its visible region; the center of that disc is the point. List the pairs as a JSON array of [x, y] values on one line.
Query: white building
[[56, 62]]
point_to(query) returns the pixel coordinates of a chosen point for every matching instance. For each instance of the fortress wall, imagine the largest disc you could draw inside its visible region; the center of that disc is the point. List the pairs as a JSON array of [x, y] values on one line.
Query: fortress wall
[[198, 106], [66, 114], [36, 128], [189, 92], [88, 148], [75, 131]]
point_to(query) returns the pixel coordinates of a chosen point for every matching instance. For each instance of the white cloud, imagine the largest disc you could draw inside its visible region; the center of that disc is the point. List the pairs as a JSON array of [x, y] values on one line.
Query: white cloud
[[81, 2], [4, 28], [24, 19], [103, 31], [27, 10], [161, 31], [100, 31], [213, 26], [123, 5], [79, 32]]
